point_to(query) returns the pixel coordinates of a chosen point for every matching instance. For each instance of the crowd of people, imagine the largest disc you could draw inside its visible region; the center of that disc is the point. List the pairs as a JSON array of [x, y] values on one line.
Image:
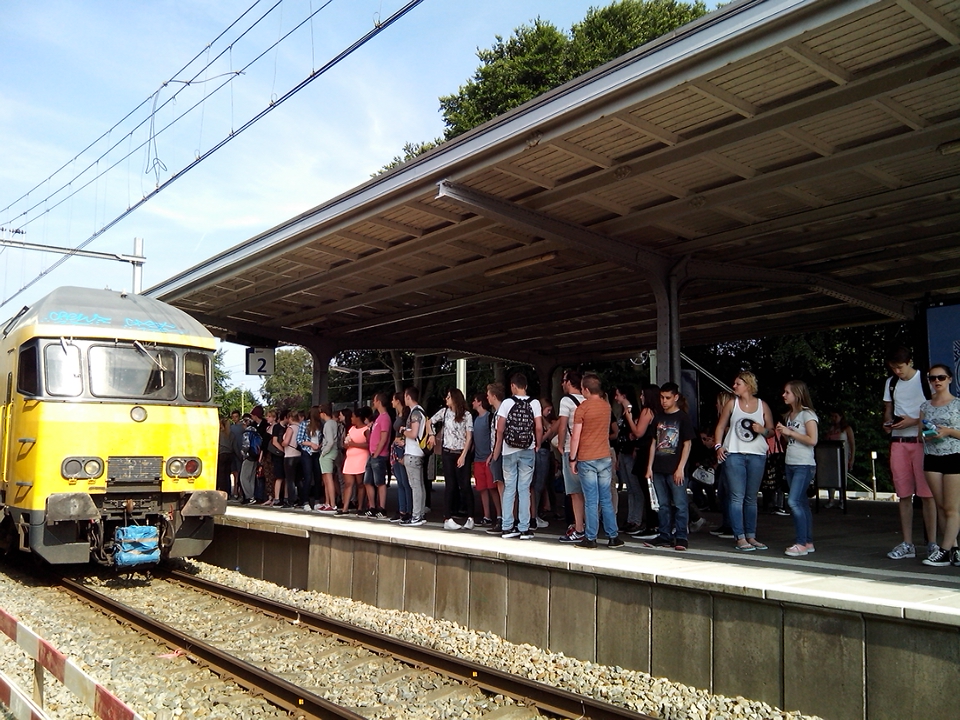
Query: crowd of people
[[526, 463]]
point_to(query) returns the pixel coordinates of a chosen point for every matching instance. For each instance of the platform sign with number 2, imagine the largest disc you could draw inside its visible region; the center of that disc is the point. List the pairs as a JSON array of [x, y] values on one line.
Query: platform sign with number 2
[[260, 361]]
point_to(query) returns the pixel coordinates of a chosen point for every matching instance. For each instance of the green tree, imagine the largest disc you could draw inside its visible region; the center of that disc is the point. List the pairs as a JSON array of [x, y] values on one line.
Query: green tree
[[291, 385], [225, 396], [539, 57], [513, 71], [410, 151], [609, 32]]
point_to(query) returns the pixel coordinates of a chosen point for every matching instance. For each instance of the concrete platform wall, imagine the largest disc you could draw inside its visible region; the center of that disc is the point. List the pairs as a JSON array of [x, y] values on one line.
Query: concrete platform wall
[[836, 664]]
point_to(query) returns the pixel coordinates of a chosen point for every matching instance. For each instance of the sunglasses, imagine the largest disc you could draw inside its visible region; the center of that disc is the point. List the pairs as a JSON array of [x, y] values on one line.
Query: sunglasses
[[936, 378]]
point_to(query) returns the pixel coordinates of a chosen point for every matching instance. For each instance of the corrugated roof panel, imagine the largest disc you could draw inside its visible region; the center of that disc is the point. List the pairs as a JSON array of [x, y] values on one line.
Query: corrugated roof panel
[[840, 187], [889, 33], [763, 81], [923, 168], [681, 111], [770, 150], [852, 126], [933, 100], [498, 183], [772, 205], [552, 163], [580, 212], [632, 193], [696, 174], [615, 140]]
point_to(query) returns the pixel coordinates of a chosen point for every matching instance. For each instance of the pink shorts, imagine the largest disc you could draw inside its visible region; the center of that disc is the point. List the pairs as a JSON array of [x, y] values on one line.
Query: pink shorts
[[906, 467], [483, 476]]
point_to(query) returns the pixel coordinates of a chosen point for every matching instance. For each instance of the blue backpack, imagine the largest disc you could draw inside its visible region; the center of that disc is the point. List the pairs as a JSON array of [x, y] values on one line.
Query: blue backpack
[[251, 444]]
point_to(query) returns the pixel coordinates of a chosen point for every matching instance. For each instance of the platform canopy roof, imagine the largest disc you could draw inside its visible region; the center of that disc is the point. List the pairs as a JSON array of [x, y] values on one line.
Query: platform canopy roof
[[787, 165]]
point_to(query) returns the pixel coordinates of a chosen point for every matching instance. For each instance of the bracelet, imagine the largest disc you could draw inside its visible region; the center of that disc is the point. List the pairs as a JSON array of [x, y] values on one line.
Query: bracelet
[[572, 459], [718, 446]]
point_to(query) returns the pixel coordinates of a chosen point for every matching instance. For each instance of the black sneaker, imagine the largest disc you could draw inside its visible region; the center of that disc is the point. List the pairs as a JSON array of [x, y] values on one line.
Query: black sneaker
[[526, 534], [368, 514], [660, 542], [511, 533], [680, 545], [955, 557], [396, 518], [586, 544], [494, 529], [485, 522], [615, 542], [938, 558]]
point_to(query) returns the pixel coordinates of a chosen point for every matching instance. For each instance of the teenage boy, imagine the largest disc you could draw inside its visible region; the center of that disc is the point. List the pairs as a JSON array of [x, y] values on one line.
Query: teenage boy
[[519, 433], [495, 395], [903, 394], [375, 475], [413, 454], [669, 452], [590, 460], [482, 447], [571, 400]]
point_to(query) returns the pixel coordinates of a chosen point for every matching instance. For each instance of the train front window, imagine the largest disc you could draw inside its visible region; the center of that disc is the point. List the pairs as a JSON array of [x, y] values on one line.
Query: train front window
[[137, 371], [196, 376], [61, 369]]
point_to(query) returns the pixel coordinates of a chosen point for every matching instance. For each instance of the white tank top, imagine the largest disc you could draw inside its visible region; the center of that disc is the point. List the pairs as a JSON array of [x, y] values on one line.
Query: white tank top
[[741, 438]]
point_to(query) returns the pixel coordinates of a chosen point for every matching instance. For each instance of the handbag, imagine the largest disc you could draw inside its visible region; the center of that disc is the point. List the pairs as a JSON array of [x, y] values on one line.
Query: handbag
[[704, 475], [774, 472]]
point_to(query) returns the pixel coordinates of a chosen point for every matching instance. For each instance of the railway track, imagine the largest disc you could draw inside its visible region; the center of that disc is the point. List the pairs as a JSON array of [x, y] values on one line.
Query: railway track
[[385, 658]]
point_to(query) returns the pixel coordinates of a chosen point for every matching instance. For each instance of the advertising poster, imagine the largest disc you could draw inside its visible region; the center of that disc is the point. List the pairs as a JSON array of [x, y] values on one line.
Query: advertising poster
[[943, 338]]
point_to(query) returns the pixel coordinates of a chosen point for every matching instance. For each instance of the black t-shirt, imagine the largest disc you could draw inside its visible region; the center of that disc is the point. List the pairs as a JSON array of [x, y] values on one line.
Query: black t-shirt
[[672, 431]]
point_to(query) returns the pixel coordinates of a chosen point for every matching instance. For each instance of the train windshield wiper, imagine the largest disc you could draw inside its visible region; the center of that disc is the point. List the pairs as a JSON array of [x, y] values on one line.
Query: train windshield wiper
[[155, 360]]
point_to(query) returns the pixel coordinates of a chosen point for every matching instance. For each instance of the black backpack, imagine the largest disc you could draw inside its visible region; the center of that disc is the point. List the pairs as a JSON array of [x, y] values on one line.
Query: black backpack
[[519, 430]]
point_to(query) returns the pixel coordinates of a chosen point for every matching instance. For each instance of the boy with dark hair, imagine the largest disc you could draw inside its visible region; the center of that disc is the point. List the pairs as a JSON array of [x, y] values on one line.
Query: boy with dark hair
[[903, 394], [669, 452], [519, 432], [413, 454]]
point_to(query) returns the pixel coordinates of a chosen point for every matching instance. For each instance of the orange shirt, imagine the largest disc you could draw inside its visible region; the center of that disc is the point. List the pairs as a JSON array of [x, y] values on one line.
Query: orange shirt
[[594, 415]]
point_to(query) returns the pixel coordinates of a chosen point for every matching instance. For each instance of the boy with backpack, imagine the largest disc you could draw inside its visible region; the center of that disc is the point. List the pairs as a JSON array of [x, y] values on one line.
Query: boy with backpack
[[250, 444], [519, 432]]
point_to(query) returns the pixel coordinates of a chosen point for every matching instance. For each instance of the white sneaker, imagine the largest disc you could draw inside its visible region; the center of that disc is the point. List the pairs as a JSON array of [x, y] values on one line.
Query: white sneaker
[[901, 551], [451, 524], [696, 525], [306, 506], [541, 523], [468, 525]]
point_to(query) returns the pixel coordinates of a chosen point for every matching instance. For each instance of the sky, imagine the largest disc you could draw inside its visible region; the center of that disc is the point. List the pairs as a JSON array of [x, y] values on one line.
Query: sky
[[71, 70]]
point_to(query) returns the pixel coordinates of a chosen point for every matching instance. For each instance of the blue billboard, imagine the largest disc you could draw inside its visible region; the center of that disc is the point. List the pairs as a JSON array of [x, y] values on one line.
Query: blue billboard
[[943, 338]]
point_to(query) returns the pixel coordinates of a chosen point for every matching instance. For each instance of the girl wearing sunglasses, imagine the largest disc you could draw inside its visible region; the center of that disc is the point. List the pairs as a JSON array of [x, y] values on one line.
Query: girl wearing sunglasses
[[940, 430]]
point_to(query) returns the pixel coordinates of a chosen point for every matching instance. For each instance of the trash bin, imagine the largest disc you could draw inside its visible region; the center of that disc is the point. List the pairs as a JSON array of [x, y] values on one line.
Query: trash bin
[[831, 471]]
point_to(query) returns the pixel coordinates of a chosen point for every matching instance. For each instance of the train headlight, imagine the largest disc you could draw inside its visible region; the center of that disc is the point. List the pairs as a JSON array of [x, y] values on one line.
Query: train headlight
[[184, 467], [73, 468], [138, 414]]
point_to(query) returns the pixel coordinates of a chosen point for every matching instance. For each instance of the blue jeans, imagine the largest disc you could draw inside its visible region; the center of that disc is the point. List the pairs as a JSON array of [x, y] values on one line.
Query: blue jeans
[[404, 493], [595, 477], [634, 489], [798, 479], [674, 512], [744, 472], [517, 477]]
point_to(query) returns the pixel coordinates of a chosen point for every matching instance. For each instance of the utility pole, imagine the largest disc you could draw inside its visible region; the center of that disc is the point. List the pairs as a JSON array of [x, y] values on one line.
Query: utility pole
[[136, 260]]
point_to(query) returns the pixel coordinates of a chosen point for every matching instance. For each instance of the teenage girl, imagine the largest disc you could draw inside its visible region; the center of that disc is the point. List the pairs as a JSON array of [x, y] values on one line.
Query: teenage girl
[[799, 427]]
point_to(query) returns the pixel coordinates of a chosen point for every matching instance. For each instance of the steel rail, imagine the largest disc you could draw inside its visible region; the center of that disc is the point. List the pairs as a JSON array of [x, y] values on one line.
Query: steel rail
[[277, 690], [556, 701]]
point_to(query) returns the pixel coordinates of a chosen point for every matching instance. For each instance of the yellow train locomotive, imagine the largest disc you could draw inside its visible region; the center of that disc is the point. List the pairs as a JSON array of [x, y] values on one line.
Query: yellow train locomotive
[[109, 432]]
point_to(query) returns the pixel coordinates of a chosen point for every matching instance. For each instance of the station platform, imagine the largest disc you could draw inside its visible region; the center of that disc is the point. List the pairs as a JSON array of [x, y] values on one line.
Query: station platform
[[842, 633]]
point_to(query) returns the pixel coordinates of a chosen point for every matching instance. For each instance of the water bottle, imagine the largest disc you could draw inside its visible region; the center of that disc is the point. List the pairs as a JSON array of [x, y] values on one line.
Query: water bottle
[[654, 502], [929, 429]]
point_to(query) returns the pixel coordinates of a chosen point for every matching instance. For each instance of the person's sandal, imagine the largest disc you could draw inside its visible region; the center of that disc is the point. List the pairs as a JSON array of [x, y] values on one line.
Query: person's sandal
[[746, 547], [756, 544], [796, 550]]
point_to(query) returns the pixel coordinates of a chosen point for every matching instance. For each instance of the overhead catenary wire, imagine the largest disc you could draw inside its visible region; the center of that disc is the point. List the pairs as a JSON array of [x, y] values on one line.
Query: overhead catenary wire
[[131, 113], [273, 105]]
